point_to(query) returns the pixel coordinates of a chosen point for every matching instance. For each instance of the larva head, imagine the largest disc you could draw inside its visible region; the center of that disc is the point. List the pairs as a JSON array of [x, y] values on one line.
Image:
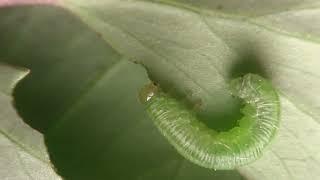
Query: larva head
[[147, 92]]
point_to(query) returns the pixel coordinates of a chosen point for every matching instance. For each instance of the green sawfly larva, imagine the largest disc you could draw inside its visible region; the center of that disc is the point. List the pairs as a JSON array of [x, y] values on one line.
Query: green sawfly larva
[[211, 149]]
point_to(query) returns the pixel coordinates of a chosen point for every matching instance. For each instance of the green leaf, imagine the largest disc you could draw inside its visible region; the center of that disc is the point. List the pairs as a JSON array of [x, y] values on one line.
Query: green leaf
[[197, 48], [83, 96], [22, 149], [97, 128]]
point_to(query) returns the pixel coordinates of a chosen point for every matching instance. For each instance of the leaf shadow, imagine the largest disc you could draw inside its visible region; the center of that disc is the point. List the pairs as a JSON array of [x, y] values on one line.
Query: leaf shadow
[[249, 60]]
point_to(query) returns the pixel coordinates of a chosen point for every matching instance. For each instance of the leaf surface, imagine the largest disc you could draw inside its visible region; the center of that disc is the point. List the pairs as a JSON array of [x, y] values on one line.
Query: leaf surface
[[204, 43], [83, 95], [94, 125], [22, 149]]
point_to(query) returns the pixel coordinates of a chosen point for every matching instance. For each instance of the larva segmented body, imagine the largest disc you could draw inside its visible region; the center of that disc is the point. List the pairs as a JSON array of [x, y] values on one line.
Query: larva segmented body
[[218, 150]]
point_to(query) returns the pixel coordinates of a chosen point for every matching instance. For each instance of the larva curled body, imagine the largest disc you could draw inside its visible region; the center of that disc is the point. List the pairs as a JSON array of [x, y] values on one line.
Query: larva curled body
[[218, 150]]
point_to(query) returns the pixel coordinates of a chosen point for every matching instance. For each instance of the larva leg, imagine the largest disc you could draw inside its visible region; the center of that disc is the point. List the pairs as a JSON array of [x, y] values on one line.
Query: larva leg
[[218, 150]]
